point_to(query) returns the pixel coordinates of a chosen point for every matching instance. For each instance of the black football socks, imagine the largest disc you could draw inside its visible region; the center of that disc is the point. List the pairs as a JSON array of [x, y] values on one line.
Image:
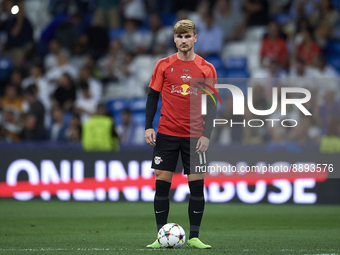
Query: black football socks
[[161, 202], [196, 206]]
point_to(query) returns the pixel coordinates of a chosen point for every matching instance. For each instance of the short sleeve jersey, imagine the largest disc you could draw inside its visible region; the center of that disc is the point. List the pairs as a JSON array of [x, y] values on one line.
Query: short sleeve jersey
[[181, 98]]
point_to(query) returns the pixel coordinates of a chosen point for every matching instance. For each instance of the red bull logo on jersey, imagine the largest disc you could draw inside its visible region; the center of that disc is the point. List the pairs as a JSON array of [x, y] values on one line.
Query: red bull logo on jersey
[[186, 77], [184, 89]]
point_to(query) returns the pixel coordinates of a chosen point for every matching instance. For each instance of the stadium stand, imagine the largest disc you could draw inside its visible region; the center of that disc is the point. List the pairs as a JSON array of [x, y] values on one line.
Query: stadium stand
[[138, 41]]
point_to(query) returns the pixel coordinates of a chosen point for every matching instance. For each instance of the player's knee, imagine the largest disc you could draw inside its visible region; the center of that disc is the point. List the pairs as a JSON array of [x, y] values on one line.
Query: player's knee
[[163, 175], [194, 177], [196, 188]]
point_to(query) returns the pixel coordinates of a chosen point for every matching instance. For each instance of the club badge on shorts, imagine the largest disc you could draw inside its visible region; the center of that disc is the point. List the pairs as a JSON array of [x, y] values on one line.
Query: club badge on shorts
[[158, 160]]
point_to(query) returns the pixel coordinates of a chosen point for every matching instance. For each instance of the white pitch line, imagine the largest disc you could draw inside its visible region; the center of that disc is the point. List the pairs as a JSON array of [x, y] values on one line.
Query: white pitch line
[[81, 249]]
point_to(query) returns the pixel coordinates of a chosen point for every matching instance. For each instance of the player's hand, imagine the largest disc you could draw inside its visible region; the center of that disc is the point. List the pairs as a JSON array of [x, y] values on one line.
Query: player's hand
[[202, 144], [150, 136]]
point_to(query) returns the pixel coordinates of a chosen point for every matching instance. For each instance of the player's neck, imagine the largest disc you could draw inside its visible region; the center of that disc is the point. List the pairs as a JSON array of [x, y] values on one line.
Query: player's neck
[[186, 56]]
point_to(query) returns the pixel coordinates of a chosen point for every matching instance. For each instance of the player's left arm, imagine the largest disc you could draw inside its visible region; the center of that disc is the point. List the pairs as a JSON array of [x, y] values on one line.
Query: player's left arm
[[204, 140]]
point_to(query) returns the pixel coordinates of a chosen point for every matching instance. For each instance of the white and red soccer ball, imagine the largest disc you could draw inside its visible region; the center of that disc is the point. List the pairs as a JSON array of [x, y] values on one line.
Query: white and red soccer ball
[[171, 235]]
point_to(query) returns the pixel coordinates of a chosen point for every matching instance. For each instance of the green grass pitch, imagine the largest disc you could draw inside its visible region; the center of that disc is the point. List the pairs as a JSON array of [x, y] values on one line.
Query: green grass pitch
[[55, 227]]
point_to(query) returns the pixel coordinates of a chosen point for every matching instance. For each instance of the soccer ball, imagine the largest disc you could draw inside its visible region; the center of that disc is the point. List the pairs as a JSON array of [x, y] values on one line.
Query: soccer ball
[[171, 235]]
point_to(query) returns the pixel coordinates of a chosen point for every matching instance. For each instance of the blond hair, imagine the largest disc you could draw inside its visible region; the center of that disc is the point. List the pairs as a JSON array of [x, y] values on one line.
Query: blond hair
[[184, 26]]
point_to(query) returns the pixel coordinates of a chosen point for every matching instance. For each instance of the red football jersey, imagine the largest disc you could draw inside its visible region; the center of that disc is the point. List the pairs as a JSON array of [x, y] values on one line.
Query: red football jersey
[[276, 50], [181, 98], [308, 53]]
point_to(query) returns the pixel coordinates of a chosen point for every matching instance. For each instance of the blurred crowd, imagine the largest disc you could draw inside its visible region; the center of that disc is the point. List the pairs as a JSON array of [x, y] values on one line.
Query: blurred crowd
[[61, 60]]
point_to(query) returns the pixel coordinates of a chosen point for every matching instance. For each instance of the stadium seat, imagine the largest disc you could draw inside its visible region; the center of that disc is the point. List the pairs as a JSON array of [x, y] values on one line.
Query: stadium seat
[[255, 33], [145, 66], [139, 118], [253, 47], [234, 49], [143, 29], [117, 119], [282, 18], [253, 62], [117, 105], [216, 61], [258, 73], [137, 105], [235, 62], [5, 68], [333, 47], [253, 55], [168, 19], [335, 62], [220, 72], [115, 33], [236, 73]]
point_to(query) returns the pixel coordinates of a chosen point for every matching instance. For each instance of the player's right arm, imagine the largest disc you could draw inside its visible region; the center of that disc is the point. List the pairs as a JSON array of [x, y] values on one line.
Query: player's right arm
[[156, 85], [151, 108]]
